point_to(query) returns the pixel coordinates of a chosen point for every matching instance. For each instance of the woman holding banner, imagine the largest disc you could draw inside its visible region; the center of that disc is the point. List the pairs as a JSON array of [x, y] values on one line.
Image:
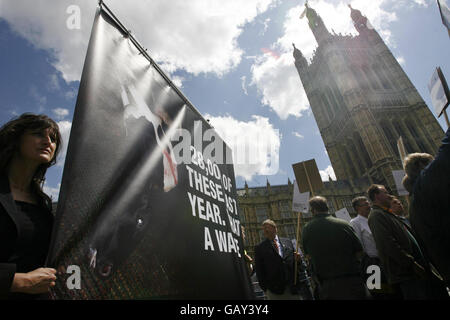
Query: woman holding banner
[[29, 145]]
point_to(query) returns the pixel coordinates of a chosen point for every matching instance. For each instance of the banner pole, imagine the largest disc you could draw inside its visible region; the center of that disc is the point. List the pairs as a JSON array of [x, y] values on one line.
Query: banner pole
[[307, 178], [296, 249], [446, 118], [298, 219], [143, 51]]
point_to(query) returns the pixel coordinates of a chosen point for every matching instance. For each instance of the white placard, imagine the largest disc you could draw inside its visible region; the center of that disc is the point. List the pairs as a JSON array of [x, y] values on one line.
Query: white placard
[[343, 214], [398, 177], [439, 98], [300, 201]]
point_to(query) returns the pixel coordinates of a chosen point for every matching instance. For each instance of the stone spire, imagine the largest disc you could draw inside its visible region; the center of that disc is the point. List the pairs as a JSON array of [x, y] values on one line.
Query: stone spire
[[360, 22], [316, 24], [300, 60]]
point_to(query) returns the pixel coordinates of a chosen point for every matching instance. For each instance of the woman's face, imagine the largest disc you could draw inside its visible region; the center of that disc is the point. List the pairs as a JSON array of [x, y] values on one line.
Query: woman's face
[[37, 146]]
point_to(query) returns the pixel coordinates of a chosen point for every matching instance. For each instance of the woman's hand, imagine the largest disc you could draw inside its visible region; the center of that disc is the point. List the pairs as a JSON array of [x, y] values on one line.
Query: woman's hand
[[34, 282]]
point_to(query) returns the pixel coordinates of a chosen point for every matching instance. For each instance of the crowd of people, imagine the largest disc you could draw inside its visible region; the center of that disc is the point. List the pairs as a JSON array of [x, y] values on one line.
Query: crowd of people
[[386, 252]]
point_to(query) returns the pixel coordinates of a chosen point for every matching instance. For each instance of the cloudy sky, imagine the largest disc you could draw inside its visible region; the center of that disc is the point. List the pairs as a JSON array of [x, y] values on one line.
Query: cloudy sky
[[232, 59]]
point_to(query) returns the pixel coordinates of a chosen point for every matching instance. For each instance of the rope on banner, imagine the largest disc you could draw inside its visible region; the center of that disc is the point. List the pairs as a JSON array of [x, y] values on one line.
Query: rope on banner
[[143, 51]]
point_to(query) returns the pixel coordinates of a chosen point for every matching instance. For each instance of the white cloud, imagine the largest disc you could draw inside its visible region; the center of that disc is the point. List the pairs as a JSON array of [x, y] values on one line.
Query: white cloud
[[327, 173], [52, 192], [266, 26], [70, 94], [422, 3], [379, 18], [41, 100], [60, 113], [197, 36], [401, 61], [277, 80], [255, 144], [296, 31], [278, 83], [14, 113], [53, 83], [243, 84], [178, 81], [298, 135], [43, 23], [336, 17]]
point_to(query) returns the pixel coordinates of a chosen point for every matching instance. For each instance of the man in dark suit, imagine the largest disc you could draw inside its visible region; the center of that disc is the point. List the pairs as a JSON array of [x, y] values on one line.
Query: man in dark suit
[[406, 263], [428, 183], [274, 263]]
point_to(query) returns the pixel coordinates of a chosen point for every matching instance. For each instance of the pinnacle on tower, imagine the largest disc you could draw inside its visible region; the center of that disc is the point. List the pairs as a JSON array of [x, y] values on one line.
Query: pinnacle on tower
[[360, 22], [316, 24], [300, 60]]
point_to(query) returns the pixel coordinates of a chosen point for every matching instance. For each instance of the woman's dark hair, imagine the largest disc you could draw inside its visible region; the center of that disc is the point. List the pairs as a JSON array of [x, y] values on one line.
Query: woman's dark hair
[[10, 134]]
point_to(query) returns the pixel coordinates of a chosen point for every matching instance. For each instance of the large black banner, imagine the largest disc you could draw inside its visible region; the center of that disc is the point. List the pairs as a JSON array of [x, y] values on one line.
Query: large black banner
[[147, 207]]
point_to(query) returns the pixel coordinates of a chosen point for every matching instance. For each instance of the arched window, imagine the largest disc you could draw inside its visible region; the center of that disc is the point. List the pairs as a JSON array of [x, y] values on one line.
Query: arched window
[[363, 151], [360, 77], [402, 133], [339, 100], [359, 166], [330, 103], [371, 77], [380, 75], [261, 213], [350, 164], [389, 136], [326, 108], [417, 138], [389, 73]]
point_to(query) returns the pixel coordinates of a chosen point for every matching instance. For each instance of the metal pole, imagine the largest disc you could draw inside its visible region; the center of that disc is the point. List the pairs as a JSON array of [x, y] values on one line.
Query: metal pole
[[307, 178], [446, 118], [298, 219], [296, 249], [143, 51]]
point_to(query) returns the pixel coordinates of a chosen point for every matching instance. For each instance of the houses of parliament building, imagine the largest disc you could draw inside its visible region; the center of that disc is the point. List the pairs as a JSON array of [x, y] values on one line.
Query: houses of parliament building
[[363, 102]]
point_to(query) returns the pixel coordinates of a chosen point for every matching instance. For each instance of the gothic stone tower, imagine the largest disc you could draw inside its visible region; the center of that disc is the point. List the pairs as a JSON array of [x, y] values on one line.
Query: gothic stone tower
[[363, 102]]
